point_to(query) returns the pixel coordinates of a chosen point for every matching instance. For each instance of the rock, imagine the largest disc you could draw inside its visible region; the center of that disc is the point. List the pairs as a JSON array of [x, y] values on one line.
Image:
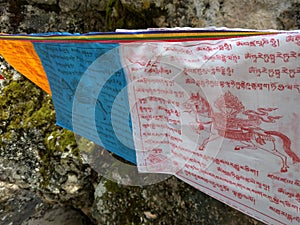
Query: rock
[[61, 216], [22, 207], [67, 6], [29, 158], [71, 185], [169, 202], [46, 2]]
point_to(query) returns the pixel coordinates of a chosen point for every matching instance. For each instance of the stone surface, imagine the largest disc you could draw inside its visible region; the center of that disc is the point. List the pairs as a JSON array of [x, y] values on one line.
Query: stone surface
[[46, 2], [59, 215], [66, 5], [22, 207], [169, 202], [44, 159]]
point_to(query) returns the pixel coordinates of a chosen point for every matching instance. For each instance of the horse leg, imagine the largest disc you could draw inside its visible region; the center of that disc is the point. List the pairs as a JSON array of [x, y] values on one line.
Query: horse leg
[[246, 145], [209, 139], [274, 151], [283, 157]]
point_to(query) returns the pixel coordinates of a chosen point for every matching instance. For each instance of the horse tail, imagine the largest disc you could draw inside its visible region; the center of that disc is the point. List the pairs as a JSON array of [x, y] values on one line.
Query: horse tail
[[286, 145]]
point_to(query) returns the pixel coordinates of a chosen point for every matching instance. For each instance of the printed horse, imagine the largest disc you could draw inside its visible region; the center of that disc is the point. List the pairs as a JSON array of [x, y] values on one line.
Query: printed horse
[[245, 129]]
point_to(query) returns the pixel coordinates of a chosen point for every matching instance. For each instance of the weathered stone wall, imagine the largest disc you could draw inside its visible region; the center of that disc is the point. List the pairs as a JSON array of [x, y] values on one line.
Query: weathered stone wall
[[37, 155]]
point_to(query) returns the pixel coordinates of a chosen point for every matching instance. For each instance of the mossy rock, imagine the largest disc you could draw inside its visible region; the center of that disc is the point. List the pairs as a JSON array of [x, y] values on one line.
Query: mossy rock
[[24, 108]]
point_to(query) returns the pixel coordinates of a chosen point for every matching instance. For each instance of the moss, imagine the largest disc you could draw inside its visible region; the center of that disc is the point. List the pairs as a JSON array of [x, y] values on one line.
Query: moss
[[40, 117], [62, 140], [112, 187], [57, 142], [24, 107], [85, 145]]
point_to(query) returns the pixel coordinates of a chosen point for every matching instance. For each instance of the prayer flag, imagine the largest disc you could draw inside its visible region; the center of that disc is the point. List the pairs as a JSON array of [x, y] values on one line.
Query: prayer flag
[[218, 108]]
